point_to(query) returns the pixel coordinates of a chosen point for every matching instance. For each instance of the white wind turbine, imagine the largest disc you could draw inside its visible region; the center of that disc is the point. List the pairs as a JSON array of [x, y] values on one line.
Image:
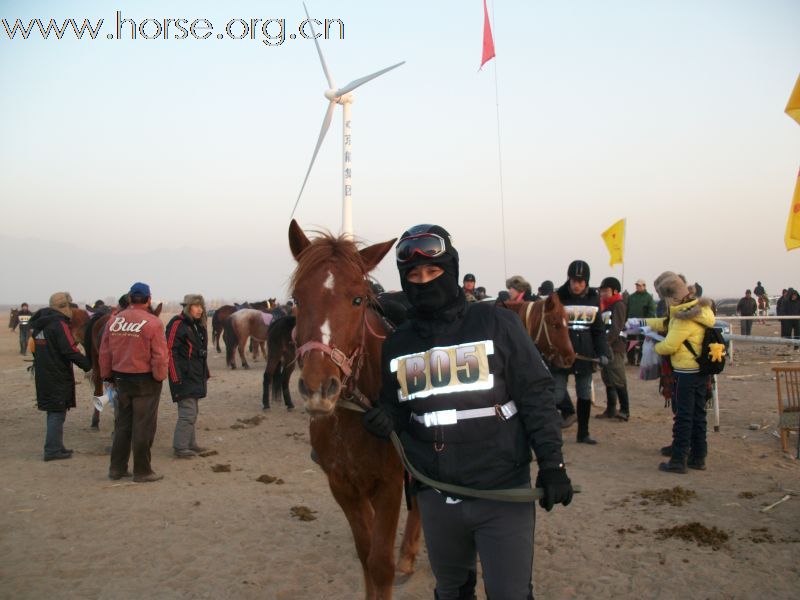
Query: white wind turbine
[[344, 97]]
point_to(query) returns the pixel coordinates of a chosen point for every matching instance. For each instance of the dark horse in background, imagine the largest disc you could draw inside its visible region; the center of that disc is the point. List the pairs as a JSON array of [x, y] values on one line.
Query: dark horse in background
[[13, 319], [281, 351], [93, 337], [339, 339]]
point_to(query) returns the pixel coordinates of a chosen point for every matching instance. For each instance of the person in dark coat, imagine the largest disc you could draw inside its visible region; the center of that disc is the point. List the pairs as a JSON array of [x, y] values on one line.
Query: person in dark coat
[[472, 421], [53, 356], [588, 337], [615, 313], [187, 344], [24, 321], [779, 311], [746, 307], [791, 307]]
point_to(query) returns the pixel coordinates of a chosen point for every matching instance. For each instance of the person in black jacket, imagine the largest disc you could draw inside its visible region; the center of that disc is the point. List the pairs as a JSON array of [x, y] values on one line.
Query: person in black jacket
[[54, 353], [588, 337], [24, 321], [187, 343], [470, 396]]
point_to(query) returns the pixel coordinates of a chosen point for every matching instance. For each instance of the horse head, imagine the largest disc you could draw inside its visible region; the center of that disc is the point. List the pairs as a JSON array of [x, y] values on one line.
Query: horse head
[[554, 342], [13, 319], [332, 294], [157, 310], [77, 324]]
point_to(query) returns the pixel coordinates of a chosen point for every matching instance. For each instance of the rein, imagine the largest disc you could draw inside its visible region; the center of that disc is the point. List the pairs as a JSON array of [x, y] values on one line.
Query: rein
[[550, 348]]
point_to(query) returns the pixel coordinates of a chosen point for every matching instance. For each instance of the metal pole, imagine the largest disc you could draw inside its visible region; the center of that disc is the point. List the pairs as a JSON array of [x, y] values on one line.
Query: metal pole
[[347, 167]]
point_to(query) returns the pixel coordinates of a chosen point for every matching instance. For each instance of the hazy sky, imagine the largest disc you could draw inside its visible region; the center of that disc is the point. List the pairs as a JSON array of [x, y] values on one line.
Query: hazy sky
[[177, 162]]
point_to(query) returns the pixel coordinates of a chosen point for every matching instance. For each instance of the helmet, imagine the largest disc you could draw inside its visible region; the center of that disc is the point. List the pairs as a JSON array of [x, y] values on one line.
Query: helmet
[[469, 277], [546, 288], [425, 244], [579, 269], [611, 282]]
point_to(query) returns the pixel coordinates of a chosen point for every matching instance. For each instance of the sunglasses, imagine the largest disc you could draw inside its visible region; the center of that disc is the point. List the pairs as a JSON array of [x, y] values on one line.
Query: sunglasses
[[427, 245]]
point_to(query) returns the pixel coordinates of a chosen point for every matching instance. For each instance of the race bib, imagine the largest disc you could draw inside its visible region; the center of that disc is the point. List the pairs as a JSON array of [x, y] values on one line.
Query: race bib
[[581, 317], [23, 319], [444, 370]]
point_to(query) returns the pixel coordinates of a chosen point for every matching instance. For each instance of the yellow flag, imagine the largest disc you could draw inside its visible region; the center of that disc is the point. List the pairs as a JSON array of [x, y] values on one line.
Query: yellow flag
[[793, 107], [614, 237], [792, 237]]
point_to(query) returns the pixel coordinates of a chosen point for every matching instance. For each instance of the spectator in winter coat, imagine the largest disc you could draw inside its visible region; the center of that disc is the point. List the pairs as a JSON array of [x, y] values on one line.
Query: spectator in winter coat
[[187, 341], [746, 308], [791, 307], [54, 354]]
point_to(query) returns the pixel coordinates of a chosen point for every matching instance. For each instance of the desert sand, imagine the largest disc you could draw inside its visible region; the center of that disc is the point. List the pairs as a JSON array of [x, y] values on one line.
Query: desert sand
[[211, 529]]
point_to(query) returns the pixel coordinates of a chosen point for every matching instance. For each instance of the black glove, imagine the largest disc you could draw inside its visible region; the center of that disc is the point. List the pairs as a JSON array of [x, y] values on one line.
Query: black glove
[[556, 485], [378, 422]]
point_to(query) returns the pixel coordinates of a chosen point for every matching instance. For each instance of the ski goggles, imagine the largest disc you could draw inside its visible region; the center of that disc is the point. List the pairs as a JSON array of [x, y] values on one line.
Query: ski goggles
[[427, 245]]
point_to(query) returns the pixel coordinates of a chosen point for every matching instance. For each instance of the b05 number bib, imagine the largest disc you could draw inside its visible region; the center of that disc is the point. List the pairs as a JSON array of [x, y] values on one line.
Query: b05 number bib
[[444, 370]]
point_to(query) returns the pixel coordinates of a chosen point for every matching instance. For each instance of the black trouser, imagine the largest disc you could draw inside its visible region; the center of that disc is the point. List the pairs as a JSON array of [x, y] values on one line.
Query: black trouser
[[24, 332], [746, 327], [792, 328], [689, 397], [500, 532], [135, 421]]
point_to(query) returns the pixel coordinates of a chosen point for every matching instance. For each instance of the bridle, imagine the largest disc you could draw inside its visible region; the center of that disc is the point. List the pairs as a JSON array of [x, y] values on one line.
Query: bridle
[[350, 397]]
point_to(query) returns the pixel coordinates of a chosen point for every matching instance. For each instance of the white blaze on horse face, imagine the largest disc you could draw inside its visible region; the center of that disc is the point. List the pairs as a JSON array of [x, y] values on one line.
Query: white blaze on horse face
[[325, 330], [328, 285]]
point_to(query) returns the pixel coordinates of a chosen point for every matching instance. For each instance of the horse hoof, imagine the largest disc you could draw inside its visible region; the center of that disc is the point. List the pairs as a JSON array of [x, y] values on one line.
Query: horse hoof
[[245, 366], [401, 578], [290, 408]]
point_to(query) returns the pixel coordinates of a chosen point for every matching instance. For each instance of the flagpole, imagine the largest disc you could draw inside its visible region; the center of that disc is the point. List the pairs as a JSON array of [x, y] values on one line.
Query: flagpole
[[500, 157], [624, 243]]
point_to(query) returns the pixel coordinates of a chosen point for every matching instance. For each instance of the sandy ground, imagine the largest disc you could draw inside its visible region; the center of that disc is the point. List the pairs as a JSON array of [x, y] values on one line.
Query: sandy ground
[[66, 531]]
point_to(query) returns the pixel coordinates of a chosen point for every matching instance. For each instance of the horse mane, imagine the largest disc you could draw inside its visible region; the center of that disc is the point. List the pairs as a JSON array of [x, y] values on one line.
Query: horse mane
[[326, 249]]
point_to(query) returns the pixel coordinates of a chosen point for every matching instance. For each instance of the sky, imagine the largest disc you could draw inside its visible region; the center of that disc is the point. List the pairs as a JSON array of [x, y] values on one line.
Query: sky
[[177, 161]]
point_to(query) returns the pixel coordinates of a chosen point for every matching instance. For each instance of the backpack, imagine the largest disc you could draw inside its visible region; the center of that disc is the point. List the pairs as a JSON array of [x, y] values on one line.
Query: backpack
[[712, 352]]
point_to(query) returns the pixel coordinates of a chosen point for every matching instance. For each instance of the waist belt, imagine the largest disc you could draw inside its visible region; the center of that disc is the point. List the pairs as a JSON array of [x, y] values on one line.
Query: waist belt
[[453, 416]]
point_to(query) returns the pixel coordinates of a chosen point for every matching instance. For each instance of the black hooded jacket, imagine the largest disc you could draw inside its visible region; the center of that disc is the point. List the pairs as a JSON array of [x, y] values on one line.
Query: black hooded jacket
[[471, 356], [590, 339], [187, 343], [55, 352]]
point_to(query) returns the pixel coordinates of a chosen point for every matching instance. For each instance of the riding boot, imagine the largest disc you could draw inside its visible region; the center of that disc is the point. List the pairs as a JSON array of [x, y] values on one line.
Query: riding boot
[[611, 404], [96, 419], [584, 412], [624, 407]]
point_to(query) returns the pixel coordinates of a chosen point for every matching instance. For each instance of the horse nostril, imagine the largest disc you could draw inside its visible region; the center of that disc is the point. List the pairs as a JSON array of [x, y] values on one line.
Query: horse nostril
[[332, 387], [301, 385]]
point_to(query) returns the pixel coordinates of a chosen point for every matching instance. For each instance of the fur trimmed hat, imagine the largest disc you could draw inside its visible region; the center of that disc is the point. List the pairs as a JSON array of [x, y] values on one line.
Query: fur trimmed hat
[[519, 283], [60, 301], [671, 286], [190, 300]]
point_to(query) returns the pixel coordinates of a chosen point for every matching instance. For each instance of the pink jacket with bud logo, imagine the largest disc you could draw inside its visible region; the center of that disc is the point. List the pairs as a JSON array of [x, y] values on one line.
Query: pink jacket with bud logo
[[134, 343]]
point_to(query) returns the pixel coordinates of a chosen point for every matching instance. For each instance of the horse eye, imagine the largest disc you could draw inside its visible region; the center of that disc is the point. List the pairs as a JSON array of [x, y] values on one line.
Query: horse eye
[[357, 301]]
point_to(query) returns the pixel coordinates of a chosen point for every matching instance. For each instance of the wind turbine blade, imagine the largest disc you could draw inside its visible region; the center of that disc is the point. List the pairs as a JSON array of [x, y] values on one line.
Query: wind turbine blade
[[359, 82], [326, 123], [331, 85]]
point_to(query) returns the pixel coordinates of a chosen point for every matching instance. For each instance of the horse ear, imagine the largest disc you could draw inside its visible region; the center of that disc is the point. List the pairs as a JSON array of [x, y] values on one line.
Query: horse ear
[[551, 302], [158, 308], [297, 239], [374, 254]]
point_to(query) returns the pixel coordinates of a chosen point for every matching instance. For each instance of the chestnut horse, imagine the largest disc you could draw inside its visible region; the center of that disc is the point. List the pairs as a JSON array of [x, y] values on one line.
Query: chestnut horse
[[93, 337], [339, 339], [245, 323], [281, 351], [546, 323], [218, 322]]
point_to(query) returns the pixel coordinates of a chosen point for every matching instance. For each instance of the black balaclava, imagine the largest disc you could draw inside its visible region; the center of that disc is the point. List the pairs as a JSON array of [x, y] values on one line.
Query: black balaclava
[[431, 300]]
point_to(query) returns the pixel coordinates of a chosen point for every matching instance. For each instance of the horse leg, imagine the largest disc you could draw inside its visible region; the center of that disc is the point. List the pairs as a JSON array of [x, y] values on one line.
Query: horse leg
[[411, 539], [286, 374], [265, 386], [380, 564], [217, 334], [360, 515], [242, 354]]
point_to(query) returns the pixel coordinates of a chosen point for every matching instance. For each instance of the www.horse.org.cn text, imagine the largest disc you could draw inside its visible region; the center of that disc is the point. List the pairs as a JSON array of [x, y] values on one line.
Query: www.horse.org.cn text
[[271, 32]]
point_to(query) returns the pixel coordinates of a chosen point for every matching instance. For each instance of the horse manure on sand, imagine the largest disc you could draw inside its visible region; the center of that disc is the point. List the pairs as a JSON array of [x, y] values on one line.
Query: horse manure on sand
[[676, 496], [695, 532], [270, 479], [221, 468], [303, 513]]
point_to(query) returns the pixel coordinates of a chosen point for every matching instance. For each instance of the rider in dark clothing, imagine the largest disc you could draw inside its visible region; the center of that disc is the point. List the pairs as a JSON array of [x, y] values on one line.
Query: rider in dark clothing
[[24, 320], [588, 337], [55, 353], [468, 393]]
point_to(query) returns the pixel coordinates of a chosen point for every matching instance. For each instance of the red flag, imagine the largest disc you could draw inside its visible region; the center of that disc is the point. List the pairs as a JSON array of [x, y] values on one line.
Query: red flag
[[488, 42]]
